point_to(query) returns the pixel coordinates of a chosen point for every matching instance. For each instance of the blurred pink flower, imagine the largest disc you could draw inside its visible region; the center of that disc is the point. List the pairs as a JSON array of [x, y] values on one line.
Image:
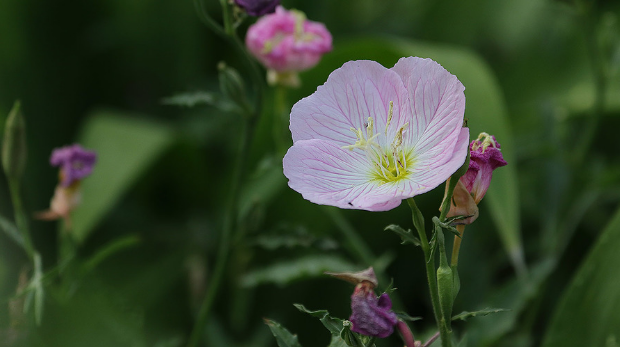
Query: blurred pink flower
[[371, 136], [485, 156], [287, 42]]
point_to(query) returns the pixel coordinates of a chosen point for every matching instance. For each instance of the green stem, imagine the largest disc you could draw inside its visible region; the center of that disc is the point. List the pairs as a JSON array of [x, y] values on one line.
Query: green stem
[[228, 22], [21, 221], [281, 120], [430, 273], [454, 260], [227, 229]]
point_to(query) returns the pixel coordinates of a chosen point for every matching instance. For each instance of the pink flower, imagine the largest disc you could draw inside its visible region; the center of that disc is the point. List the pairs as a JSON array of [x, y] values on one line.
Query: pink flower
[[485, 156], [371, 136], [286, 41]]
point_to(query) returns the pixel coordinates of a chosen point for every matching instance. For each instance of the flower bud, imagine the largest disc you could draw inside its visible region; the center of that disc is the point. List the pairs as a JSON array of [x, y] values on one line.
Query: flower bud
[[75, 163], [287, 42], [485, 156], [14, 150], [370, 315], [258, 7]]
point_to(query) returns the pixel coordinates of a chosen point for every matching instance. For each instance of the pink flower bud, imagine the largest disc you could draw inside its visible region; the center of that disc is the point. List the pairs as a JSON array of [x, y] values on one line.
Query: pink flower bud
[[485, 156], [370, 315], [287, 42]]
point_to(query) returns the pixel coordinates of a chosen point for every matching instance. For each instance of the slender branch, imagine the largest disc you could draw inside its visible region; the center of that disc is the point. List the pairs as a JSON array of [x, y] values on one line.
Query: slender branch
[[21, 221], [431, 340]]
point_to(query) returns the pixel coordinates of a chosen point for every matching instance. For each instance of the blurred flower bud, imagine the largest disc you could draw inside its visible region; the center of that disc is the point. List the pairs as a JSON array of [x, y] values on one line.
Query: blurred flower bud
[[14, 150], [75, 163], [258, 7], [485, 156], [233, 87], [462, 205], [370, 315], [286, 42]]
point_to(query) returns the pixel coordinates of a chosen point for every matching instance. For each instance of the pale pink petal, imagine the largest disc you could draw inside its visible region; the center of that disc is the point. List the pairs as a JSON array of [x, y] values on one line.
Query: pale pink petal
[[438, 104], [430, 173], [353, 93]]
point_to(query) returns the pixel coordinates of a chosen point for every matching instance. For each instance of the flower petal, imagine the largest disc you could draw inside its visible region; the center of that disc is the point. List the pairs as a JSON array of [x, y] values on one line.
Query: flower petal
[[438, 104], [329, 175], [351, 94]]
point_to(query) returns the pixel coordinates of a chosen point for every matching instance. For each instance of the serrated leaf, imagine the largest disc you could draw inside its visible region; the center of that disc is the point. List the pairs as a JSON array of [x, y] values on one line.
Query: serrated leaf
[[282, 273], [334, 325], [405, 235], [126, 146], [406, 317], [465, 315], [284, 338]]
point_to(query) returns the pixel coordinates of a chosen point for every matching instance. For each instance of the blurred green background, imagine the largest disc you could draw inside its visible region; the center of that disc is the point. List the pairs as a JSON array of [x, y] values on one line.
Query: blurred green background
[[537, 73]]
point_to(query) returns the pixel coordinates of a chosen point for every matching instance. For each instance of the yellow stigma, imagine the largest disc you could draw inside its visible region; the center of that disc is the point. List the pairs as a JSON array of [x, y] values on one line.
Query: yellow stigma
[[484, 140], [390, 163]]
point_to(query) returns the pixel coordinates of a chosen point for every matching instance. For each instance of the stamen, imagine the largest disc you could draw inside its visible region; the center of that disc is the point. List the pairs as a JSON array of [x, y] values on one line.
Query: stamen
[[389, 119]]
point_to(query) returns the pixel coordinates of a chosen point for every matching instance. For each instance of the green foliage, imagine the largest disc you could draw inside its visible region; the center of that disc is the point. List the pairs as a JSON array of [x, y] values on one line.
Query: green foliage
[[589, 311], [126, 146], [465, 315], [406, 235], [284, 272], [334, 325], [283, 336]]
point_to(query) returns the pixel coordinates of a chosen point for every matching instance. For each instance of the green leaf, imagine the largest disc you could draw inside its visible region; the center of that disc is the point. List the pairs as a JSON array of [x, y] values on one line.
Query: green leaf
[[406, 317], [282, 335], [284, 272], [11, 230], [126, 146], [405, 235], [334, 325], [337, 341], [485, 110], [465, 315], [588, 313], [108, 250]]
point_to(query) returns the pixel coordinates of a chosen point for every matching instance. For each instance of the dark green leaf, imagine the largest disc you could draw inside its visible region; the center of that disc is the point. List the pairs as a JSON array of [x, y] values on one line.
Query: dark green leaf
[[334, 325], [406, 317], [465, 315], [350, 338], [588, 313], [11, 230], [282, 335], [126, 146], [337, 341], [405, 235]]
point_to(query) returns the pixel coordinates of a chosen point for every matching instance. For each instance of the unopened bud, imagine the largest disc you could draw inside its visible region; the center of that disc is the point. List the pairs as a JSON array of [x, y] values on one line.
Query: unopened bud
[[14, 150]]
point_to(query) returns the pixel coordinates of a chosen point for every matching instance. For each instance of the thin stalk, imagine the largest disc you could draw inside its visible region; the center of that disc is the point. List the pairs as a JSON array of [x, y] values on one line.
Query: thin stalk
[[21, 221], [227, 229], [228, 22], [406, 334], [430, 273], [454, 260], [281, 120], [431, 340]]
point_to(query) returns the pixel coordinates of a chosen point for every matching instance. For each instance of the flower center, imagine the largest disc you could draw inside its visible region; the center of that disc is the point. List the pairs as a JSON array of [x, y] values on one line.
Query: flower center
[[390, 163]]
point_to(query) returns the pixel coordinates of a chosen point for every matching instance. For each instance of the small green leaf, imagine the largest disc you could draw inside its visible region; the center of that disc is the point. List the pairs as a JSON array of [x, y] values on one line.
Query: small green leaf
[[39, 293], [284, 338], [11, 230], [337, 341], [487, 311], [350, 338], [108, 250], [405, 235], [406, 317], [334, 325], [287, 271]]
